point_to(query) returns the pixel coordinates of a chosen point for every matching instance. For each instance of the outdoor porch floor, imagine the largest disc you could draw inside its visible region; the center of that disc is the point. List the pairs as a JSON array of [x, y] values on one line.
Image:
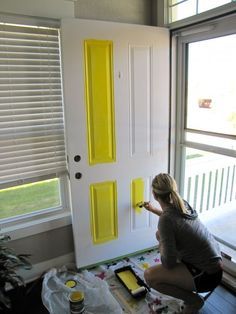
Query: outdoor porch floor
[[223, 225]]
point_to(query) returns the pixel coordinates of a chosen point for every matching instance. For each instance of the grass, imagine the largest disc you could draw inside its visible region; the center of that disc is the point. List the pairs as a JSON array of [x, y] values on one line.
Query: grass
[[29, 198]]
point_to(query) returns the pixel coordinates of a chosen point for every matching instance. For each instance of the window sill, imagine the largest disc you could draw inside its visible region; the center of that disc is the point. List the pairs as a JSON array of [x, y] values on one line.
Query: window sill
[[39, 225]]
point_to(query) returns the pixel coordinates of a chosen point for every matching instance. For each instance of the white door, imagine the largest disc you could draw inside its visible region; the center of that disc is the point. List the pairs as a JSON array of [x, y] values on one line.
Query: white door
[[116, 91]]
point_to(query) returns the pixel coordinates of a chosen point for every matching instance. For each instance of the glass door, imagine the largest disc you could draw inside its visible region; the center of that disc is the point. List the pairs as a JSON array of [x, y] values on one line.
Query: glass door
[[207, 126]]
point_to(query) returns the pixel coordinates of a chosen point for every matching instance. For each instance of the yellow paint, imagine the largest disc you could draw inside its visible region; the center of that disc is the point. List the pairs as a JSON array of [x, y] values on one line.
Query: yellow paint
[[76, 296], [104, 222], [100, 101], [145, 265], [71, 283], [137, 193], [129, 280]]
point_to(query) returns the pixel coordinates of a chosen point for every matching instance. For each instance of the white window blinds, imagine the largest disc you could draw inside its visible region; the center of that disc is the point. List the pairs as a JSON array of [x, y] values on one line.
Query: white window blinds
[[31, 111]]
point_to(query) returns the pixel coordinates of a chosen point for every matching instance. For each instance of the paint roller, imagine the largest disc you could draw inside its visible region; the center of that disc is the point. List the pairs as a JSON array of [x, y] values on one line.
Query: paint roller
[[139, 291], [131, 281]]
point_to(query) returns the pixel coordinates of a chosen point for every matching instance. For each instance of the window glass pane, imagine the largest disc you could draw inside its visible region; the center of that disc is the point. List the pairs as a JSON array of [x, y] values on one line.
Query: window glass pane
[[29, 198], [204, 5], [182, 10], [211, 100], [210, 187]]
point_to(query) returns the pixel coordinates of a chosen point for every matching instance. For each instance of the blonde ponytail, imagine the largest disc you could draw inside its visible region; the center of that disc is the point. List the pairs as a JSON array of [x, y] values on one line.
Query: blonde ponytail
[[178, 202], [165, 188]]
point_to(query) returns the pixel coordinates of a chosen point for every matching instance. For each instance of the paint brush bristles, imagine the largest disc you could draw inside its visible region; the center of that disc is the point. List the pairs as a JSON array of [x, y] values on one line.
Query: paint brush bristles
[[140, 204]]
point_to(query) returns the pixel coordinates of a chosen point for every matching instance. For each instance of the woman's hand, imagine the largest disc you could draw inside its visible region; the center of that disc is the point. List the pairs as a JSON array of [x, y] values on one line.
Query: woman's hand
[[148, 206]]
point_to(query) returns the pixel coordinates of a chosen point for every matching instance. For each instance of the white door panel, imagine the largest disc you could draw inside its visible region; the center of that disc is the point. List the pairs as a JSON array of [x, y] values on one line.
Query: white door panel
[[141, 78]]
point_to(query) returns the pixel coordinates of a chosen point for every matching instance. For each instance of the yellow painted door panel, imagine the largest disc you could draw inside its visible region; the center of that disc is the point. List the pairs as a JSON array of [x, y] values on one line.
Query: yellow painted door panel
[[137, 193], [104, 223], [99, 100]]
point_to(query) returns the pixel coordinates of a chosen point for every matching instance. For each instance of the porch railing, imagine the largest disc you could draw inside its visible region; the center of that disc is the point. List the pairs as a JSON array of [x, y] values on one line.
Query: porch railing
[[210, 184]]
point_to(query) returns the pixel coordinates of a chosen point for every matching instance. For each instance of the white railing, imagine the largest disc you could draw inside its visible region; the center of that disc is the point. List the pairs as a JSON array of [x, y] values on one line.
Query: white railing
[[210, 183]]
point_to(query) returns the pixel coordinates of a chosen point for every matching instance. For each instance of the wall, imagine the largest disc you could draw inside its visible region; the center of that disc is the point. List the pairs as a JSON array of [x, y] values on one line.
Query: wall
[[135, 11], [42, 8], [55, 247], [125, 11]]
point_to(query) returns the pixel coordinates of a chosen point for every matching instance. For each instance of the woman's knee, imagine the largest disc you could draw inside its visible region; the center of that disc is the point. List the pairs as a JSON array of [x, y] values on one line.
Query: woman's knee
[[152, 280], [150, 277], [147, 275]]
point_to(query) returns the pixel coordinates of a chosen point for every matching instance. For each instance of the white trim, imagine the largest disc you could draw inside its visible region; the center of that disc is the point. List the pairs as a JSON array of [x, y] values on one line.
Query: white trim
[[173, 114], [197, 30], [229, 267], [229, 281], [208, 29], [209, 14], [39, 269], [210, 148], [40, 225], [213, 29], [180, 111]]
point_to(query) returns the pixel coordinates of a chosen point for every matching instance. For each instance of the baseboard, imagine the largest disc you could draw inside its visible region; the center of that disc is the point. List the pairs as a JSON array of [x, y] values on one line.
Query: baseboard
[[39, 269], [229, 281], [229, 267]]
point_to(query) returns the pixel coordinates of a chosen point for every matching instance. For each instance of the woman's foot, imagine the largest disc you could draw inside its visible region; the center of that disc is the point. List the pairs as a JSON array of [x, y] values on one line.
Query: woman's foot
[[193, 308]]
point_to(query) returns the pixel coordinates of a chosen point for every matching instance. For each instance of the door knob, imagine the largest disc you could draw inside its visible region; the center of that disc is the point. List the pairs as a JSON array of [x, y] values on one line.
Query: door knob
[[78, 175]]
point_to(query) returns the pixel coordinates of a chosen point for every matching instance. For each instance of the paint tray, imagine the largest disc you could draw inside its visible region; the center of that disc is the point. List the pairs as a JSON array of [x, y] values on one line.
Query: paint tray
[[131, 281]]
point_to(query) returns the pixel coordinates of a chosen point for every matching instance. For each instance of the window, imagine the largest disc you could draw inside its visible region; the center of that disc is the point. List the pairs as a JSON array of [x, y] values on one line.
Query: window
[[181, 9], [206, 124], [33, 179]]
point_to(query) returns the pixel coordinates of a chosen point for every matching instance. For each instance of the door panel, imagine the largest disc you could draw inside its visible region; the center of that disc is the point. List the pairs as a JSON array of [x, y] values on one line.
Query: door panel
[[103, 200], [126, 106], [99, 100]]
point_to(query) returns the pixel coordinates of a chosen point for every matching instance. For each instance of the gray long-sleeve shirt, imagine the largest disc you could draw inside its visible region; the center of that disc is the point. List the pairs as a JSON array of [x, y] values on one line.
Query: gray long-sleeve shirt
[[184, 237]]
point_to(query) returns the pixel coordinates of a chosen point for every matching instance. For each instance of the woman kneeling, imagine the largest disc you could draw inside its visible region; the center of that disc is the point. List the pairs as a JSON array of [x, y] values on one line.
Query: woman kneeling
[[190, 256]]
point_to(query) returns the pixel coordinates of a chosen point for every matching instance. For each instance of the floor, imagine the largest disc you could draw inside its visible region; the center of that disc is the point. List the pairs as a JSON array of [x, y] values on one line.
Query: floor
[[222, 225], [101, 283], [222, 301], [27, 300]]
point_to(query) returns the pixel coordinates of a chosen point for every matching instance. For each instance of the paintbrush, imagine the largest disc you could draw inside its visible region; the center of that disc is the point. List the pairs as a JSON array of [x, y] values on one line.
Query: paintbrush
[[141, 204]]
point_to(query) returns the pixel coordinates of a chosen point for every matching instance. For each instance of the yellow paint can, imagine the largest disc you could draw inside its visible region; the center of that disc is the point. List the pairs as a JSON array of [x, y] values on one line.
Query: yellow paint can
[[76, 299]]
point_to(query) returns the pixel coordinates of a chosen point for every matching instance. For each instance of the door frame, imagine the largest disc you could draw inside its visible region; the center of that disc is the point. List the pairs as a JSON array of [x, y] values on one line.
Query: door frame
[[180, 38]]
